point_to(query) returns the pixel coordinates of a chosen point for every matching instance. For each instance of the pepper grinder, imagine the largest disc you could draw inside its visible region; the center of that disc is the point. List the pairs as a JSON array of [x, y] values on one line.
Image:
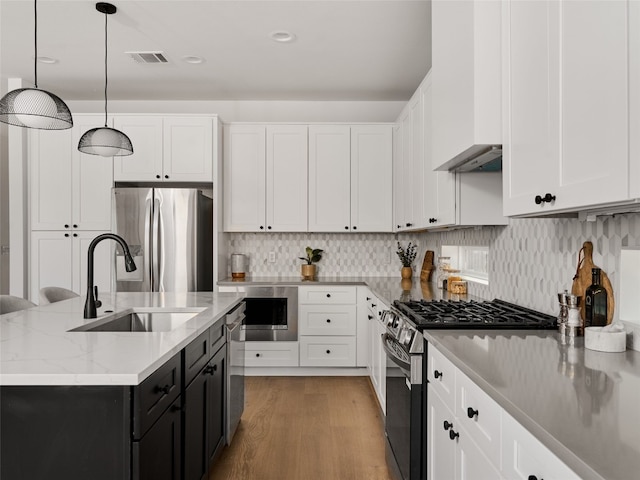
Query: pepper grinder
[[564, 312], [574, 326]]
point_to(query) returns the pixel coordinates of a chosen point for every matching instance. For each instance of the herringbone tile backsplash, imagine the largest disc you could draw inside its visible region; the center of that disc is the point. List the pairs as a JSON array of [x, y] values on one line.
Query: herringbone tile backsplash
[[530, 260]]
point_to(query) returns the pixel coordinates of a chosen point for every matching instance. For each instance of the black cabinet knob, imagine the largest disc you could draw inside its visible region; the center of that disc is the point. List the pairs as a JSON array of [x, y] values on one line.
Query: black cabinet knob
[[165, 390], [370, 317], [75, 226], [328, 320], [533, 477], [75, 234], [447, 425], [433, 220], [261, 227], [269, 227], [209, 369], [346, 227], [66, 225], [166, 176], [409, 224], [549, 198], [471, 412], [354, 227], [368, 298], [453, 434], [328, 351], [437, 374], [66, 234], [373, 305], [257, 354], [398, 226], [175, 408], [157, 176], [328, 295]]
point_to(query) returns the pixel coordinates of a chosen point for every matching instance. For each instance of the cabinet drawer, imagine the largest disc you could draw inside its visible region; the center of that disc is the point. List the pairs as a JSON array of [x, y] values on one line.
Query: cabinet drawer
[[480, 415], [154, 395], [525, 456], [327, 351], [196, 355], [441, 374], [327, 295], [271, 354], [327, 320]]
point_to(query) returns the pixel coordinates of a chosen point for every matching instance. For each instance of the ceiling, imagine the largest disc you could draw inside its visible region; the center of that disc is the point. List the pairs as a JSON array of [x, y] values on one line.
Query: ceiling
[[374, 50]]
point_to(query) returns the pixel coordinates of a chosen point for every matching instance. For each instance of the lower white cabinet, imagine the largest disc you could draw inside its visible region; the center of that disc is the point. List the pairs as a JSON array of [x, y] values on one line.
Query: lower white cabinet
[[59, 259], [327, 351], [271, 354], [524, 457]]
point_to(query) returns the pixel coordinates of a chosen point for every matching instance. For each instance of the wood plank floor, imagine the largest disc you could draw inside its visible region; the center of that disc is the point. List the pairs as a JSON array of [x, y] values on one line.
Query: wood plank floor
[[306, 428]]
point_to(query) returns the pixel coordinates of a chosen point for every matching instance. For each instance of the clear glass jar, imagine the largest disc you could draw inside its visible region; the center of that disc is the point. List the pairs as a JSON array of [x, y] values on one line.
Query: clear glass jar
[[444, 265]]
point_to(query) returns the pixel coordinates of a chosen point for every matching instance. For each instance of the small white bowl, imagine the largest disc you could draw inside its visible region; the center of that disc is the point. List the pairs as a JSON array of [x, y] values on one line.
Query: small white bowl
[[596, 339]]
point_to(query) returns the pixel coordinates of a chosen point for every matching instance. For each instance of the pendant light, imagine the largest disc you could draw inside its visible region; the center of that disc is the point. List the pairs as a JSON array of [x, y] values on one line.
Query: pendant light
[[33, 107], [105, 141]]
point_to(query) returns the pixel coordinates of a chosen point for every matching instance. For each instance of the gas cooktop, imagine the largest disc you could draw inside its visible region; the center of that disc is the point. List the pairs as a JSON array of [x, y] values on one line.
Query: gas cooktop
[[493, 314]]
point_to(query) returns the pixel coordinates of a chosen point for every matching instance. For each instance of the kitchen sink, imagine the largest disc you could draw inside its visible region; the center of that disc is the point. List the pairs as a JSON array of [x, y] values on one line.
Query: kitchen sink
[[139, 322]]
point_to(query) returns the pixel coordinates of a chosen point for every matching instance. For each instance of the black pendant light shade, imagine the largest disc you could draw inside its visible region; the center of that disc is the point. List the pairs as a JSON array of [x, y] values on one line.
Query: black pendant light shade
[[32, 107], [105, 141]]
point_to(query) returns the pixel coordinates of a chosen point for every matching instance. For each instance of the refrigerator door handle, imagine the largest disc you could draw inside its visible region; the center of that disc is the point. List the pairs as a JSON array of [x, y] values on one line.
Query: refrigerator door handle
[[148, 236], [158, 254]]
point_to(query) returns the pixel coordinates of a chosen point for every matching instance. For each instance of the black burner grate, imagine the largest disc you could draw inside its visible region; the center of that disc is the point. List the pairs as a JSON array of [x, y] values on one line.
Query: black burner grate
[[472, 314]]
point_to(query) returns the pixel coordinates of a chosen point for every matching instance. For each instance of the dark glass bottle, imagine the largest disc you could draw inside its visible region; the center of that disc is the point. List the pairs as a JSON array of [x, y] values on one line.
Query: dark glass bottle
[[595, 302]]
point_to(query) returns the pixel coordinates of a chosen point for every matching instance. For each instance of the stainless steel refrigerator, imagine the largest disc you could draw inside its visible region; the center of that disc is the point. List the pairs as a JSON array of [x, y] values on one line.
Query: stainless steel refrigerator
[[170, 235]]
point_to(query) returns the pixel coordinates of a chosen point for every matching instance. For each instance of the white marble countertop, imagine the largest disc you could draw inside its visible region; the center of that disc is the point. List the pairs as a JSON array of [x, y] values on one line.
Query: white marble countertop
[[37, 348], [581, 404]]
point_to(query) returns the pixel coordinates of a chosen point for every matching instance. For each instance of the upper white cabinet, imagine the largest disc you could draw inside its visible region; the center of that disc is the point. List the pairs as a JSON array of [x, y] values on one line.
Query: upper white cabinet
[[166, 148], [68, 189], [566, 97], [466, 78], [350, 178], [424, 198], [265, 178]]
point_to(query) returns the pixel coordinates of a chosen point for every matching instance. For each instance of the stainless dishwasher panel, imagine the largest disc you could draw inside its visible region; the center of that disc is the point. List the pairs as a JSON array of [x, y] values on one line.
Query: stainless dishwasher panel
[[235, 370]]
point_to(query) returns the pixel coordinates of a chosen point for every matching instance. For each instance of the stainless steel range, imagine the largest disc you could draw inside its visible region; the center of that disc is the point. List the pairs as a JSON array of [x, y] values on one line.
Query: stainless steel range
[[406, 379]]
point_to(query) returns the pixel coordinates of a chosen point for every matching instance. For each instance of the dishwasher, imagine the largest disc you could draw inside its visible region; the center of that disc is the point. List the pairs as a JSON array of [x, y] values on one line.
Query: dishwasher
[[235, 369]]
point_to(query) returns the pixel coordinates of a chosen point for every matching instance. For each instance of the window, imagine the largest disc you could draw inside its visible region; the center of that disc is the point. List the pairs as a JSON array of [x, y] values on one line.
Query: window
[[473, 262]]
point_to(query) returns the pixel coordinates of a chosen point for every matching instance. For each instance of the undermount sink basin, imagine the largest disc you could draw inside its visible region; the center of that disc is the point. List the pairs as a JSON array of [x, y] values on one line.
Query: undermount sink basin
[[139, 322]]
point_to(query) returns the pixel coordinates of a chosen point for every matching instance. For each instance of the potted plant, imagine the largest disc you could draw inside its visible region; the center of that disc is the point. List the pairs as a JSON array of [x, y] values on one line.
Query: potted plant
[[309, 269], [407, 256]]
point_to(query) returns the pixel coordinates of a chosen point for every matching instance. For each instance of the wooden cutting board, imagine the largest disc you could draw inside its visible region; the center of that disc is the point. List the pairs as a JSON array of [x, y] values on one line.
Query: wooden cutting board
[[582, 280], [427, 266]]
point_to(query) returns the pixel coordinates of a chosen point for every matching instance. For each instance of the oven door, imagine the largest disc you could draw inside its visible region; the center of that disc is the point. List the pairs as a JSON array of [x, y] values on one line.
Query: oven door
[[404, 420]]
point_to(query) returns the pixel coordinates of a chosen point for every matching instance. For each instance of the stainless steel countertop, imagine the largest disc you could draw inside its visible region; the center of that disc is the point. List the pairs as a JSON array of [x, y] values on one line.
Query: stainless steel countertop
[[581, 404]]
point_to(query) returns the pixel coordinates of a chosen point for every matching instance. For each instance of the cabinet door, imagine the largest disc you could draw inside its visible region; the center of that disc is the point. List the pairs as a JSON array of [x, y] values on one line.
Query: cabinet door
[[379, 364], [51, 188], [531, 98], [217, 394], [102, 263], [329, 178], [634, 98], [51, 262], [286, 177], [158, 455], [196, 405], [92, 177], [471, 463], [407, 165], [441, 450], [244, 178], [145, 164], [188, 149], [398, 196], [371, 178]]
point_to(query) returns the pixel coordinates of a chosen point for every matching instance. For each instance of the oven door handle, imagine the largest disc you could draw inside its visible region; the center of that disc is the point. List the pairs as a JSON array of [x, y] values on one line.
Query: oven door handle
[[406, 367]]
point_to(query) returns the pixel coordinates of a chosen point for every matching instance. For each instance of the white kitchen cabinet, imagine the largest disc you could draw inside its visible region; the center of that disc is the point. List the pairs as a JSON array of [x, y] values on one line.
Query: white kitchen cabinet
[[69, 190], [60, 258], [427, 199], [265, 177], [271, 354], [466, 78], [377, 361], [371, 173], [566, 124], [524, 457], [327, 326], [350, 178], [329, 178], [634, 98], [166, 148]]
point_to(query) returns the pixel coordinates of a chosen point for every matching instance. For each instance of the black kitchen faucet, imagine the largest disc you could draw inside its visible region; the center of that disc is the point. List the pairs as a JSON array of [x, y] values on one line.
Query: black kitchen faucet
[[91, 304]]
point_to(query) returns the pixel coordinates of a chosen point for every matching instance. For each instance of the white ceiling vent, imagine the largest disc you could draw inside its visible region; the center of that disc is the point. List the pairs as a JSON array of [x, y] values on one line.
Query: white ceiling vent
[[148, 57]]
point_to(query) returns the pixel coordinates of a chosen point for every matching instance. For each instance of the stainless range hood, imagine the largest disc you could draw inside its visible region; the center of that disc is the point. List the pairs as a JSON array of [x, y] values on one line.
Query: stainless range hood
[[478, 158]]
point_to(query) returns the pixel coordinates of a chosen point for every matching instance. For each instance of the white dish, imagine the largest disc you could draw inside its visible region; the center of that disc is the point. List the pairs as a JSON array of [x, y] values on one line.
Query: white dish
[[596, 339]]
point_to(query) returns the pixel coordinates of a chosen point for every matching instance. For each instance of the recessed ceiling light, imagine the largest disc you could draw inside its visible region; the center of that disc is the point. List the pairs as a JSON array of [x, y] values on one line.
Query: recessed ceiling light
[[282, 36], [47, 60], [193, 59]]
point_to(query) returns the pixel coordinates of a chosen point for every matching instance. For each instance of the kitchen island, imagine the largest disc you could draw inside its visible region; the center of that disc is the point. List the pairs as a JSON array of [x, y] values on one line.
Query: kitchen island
[[113, 405]]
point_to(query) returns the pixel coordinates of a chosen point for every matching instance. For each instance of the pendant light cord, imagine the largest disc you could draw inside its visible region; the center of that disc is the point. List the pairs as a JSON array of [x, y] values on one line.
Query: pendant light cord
[[105, 69], [35, 41]]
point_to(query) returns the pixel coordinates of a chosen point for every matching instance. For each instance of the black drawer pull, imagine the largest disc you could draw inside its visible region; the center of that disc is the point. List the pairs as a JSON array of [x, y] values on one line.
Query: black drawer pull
[[368, 298], [328, 320], [370, 317], [209, 369], [533, 477], [328, 352], [373, 305], [453, 435], [447, 425], [257, 354], [471, 412], [165, 390], [157, 176], [328, 295], [437, 374]]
